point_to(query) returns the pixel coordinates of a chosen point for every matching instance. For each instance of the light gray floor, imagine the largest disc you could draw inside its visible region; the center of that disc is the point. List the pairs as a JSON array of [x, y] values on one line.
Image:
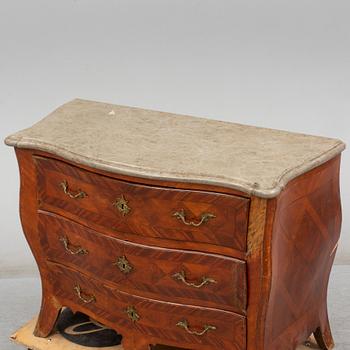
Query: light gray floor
[[20, 301]]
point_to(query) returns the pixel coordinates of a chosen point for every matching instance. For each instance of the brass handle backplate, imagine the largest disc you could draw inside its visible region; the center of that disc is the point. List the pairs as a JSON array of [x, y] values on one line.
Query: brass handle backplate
[[87, 299], [205, 217], [123, 264], [132, 313], [184, 324], [74, 250], [181, 276], [75, 195], [122, 205]]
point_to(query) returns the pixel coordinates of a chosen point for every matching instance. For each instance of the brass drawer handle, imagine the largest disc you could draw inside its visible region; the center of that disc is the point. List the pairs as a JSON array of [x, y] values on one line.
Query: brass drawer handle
[[123, 264], [87, 299], [184, 324], [181, 276], [71, 249], [122, 205], [78, 194], [204, 218], [132, 313]]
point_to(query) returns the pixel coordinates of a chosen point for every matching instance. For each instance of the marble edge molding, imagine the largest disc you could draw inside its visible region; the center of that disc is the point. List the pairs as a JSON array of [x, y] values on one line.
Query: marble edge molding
[[252, 189]]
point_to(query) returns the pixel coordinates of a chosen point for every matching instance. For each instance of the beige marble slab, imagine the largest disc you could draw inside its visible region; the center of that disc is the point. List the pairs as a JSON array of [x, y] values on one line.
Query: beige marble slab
[[24, 336], [167, 146]]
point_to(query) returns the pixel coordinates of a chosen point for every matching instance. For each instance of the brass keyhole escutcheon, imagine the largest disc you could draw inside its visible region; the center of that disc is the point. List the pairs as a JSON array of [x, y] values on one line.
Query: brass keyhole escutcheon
[[122, 205], [123, 264], [132, 314]]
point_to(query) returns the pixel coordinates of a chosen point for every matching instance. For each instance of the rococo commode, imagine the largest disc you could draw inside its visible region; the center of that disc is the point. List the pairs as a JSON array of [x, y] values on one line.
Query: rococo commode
[[178, 230]]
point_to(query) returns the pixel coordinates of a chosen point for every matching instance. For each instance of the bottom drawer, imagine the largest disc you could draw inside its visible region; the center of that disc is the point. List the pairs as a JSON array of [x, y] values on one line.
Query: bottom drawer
[[161, 322]]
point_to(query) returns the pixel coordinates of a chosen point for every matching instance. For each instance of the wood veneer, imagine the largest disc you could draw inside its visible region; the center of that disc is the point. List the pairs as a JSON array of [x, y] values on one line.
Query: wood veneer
[[290, 246], [157, 320], [152, 268], [153, 208]]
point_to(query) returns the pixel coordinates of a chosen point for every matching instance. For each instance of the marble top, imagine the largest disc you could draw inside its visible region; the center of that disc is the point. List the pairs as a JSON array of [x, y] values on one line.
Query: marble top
[[159, 145]]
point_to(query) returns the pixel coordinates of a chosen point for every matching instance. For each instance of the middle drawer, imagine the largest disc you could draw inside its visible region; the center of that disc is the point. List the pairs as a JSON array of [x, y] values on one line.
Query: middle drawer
[[166, 274]]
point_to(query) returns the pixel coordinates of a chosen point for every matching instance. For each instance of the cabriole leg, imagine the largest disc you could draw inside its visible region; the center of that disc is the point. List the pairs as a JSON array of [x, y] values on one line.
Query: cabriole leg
[[49, 312], [324, 337], [323, 334]]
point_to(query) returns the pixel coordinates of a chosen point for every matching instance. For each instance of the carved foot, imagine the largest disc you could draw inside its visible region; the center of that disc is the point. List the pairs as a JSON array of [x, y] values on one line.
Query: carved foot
[[324, 338], [135, 342], [49, 312]]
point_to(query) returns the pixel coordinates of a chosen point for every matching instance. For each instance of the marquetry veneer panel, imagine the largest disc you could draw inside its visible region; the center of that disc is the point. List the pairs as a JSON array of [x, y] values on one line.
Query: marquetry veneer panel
[[151, 209], [151, 271]]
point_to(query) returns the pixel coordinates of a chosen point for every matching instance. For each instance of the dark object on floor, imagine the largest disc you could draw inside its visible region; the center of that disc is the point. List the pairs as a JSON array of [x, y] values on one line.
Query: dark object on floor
[[80, 329]]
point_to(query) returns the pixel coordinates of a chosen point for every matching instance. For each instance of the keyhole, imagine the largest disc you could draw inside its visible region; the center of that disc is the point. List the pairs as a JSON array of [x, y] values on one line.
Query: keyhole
[[122, 205]]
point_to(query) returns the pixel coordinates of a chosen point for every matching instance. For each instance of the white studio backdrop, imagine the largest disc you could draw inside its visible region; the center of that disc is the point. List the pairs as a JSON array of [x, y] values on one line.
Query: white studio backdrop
[[275, 63]]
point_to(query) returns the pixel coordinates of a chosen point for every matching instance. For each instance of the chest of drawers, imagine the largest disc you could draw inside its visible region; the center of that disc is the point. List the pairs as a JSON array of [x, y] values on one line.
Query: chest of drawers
[[178, 230]]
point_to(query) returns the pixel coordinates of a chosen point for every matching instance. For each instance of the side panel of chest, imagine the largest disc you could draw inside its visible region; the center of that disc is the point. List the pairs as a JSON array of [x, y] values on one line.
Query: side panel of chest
[[304, 240]]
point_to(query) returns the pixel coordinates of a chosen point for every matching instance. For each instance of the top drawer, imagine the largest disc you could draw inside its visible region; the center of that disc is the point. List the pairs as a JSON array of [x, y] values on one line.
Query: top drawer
[[167, 213]]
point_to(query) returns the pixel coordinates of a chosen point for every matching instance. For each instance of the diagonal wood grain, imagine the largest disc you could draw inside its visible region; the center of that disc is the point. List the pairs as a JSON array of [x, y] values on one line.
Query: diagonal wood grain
[[24, 336], [157, 320], [152, 208], [152, 267], [306, 230]]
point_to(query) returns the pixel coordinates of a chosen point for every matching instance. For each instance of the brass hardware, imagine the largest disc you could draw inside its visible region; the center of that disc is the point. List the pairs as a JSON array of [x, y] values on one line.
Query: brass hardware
[[77, 195], [132, 314], [181, 276], [71, 249], [86, 299], [184, 324], [122, 205], [123, 264], [204, 218]]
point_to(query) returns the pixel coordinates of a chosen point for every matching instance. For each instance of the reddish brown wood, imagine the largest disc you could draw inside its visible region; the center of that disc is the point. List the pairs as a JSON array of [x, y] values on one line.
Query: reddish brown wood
[[305, 235], [152, 267], [28, 212], [259, 269], [146, 180], [169, 243], [157, 320], [287, 252], [151, 208], [134, 341], [49, 311]]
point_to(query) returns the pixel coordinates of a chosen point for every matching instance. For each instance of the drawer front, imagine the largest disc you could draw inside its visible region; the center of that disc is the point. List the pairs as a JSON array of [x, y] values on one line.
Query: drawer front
[[165, 321], [167, 274], [181, 215]]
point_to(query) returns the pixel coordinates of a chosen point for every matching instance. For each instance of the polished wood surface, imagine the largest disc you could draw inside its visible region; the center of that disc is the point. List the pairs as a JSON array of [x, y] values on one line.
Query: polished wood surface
[[258, 272], [152, 269], [272, 271], [304, 241], [156, 319], [151, 209], [24, 336], [28, 208]]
